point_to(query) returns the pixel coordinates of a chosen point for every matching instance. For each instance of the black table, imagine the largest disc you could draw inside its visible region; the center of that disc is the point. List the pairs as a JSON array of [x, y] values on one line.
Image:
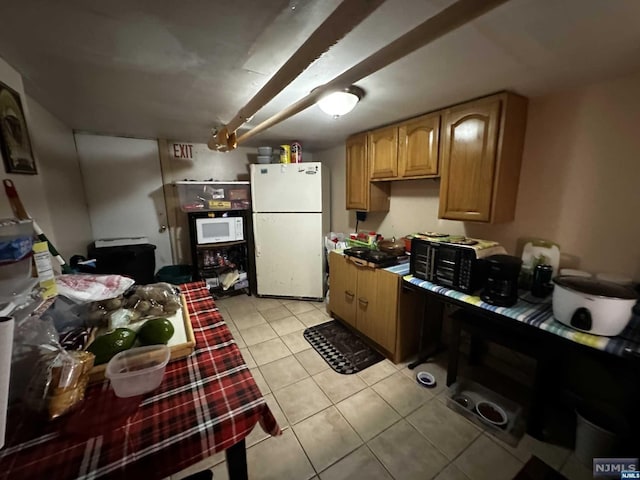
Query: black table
[[529, 327]]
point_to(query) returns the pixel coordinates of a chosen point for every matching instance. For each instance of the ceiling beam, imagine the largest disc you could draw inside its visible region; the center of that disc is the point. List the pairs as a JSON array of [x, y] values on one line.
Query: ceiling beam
[[452, 17], [344, 18]]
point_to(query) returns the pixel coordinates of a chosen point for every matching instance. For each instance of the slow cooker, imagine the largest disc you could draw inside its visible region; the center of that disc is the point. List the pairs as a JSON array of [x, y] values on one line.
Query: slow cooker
[[592, 305]]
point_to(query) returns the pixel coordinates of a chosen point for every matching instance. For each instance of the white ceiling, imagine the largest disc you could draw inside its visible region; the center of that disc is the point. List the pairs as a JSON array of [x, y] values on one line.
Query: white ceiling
[[147, 68]]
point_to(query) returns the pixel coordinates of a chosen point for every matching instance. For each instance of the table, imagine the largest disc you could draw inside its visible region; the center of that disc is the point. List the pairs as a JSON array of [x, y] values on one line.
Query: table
[[529, 327], [207, 403], [537, 313]]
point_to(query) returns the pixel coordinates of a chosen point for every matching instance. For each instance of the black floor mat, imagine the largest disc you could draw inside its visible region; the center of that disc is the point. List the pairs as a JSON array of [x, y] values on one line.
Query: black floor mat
[[343, 350]]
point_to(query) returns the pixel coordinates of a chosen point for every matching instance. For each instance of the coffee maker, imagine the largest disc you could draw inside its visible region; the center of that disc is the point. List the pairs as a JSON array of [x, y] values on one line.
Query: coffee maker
[[501, 286]]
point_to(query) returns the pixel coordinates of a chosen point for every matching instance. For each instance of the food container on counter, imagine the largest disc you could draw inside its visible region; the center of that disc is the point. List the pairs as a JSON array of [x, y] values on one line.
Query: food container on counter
[[285, 153], [138, 370], [16, 239], [14, 273], [392, 246], [196, 196]]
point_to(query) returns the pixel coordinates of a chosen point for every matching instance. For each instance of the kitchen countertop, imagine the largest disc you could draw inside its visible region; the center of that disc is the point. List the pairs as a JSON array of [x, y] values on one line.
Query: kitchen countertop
[[401, 268]]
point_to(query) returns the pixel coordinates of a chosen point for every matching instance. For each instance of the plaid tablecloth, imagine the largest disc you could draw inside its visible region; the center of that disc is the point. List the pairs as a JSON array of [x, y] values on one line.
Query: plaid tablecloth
[[538, 313], [206, 403]]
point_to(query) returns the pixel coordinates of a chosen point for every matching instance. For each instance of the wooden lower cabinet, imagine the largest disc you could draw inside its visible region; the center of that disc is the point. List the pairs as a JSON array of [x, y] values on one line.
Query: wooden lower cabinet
[[344, 280], [372, 302]]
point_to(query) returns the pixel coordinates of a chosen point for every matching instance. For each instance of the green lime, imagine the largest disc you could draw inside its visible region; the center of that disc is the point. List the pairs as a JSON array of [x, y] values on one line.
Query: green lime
[[107, 346], [155, 332]]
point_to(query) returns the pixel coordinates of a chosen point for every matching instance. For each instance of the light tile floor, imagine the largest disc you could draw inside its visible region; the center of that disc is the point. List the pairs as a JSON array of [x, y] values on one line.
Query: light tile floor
[[377, 424]]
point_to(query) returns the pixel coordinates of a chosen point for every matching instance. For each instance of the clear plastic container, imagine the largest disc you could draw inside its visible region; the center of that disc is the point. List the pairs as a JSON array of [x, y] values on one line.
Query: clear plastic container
[[138, 370], [16, 239], [15, 278], [210, 196]]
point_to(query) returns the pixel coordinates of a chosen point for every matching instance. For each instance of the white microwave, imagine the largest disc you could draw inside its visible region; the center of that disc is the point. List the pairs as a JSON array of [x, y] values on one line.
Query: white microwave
[[216, 230]]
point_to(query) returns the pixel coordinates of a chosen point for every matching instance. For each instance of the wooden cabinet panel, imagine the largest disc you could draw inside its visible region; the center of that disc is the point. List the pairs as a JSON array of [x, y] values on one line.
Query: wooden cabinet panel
[[366, 301], [362, 195], [343, 288], [357, 173], [377, 305], [481, 154], [377, 309], [383, 322], [418, 142], [383, 152], [468, 161]]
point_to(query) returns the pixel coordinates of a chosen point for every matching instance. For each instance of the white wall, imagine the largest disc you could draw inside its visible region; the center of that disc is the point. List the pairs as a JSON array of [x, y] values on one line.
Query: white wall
[[30, 187], [579, 186], [62, 181], [55, 196], [413, 206], [123, 182]]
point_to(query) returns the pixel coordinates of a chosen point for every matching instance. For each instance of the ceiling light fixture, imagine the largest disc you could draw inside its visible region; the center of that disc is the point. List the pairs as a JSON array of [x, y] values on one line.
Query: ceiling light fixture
[[340, 102]]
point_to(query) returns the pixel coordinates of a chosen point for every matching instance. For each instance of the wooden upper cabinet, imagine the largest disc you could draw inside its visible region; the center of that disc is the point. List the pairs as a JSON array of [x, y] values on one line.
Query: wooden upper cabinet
[[481, 153], [418, 142], [362, 195], [383, 152], [357, 173]]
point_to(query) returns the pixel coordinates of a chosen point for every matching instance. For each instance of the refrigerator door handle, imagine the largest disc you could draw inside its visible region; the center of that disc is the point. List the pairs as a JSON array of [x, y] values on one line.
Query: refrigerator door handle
[[256, 236]]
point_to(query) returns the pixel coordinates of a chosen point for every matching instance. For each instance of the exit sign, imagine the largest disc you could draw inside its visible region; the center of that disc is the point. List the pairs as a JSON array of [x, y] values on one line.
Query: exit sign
[[183, 150]]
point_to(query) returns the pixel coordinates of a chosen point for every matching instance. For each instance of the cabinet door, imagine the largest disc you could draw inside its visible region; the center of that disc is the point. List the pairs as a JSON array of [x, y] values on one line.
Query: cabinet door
[[366, 301], [418, 146], [357, 173], [342, 288], [384, 320], [383, 153], [468, 155], [377, 306]]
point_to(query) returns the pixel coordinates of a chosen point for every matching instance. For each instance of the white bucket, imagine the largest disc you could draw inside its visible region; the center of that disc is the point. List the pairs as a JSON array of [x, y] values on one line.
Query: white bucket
[[593, 441]]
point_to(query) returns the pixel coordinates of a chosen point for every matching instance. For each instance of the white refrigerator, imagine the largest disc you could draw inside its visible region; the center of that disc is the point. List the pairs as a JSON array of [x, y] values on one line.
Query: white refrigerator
[[291, 205]]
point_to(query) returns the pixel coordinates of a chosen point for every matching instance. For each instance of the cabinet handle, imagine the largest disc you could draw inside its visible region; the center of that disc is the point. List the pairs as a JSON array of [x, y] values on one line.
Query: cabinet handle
[[363, 301], [348, 293]]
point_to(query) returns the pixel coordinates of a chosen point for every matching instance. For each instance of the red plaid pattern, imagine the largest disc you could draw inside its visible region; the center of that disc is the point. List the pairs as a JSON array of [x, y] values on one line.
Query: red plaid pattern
[[206, 403]]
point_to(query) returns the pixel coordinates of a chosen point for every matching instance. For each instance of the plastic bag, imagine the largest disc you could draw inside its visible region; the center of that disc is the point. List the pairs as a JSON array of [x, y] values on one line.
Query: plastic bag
[[59, 378], [90, 288], [139, 303]]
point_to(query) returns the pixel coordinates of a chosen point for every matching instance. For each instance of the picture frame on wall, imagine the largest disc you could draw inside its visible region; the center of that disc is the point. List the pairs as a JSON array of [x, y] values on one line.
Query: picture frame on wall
[[15, 144]]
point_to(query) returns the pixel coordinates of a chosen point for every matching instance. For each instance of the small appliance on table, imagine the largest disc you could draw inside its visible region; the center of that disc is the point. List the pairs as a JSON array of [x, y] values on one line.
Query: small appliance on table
[[501, 286], [451, 261]]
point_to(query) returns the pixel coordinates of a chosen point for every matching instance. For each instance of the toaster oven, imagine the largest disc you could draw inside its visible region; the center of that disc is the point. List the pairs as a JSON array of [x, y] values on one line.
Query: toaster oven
[[454, 265]]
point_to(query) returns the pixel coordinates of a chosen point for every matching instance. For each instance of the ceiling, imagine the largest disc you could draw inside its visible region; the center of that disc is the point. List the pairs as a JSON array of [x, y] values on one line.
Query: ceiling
[[146, 68]]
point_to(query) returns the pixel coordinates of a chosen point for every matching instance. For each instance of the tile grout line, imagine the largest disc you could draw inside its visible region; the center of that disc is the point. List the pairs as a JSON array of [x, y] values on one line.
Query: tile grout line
[[291, 425]]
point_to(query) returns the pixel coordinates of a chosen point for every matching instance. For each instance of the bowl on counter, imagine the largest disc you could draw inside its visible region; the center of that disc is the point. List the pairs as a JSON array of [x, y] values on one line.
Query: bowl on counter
[[264, 159], [392, 246], [265, 151]]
